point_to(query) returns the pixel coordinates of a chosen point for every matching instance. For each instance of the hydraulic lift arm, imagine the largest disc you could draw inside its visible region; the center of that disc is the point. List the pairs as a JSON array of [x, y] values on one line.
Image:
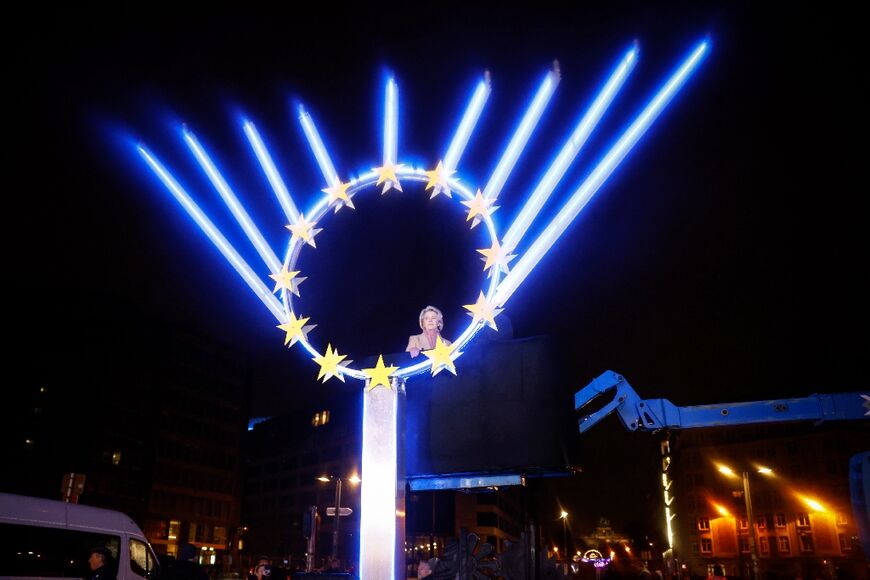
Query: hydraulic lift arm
[[655, 414]]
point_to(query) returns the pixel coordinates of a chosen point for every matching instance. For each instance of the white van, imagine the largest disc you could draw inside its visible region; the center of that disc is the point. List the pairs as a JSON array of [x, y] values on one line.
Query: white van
[[42, 538]]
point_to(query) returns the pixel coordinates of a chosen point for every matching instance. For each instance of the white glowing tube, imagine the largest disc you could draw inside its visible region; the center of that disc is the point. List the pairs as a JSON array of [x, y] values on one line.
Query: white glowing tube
[[391, 123], [316, 143], [592, 183], [250, 229], [521, 135], [569, 151], [209, 229], [466, 126], [271, 172]]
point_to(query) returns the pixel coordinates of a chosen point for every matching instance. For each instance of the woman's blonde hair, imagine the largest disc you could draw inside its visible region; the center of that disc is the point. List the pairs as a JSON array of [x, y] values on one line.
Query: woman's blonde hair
[[437, 313]]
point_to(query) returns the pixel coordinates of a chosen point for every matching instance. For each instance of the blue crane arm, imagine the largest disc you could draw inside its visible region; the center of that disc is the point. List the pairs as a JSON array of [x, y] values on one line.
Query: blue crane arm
[[654, 414]]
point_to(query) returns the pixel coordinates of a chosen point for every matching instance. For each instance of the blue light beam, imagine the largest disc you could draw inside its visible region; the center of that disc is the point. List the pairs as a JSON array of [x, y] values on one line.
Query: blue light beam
[[213, 234], [391, 123], [220, 184], [317, 146], [521, 135], [466, 126], [275, 180], [605, 168], [570, 150]]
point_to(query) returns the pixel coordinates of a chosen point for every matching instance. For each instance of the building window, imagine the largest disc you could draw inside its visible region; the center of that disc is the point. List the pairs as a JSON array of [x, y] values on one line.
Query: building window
[[744, 524], [174, 526], [783, 545], [319, 419], [744, 544], [761, 522], [706, 546], [803, 520], [695, 547], [220, 535], [841, 519], [806, 542], [845, 544], [764, 543], [704, 523], [779, 520]]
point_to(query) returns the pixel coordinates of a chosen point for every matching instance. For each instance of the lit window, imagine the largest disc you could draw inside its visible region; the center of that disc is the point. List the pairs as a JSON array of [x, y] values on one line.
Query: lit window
[[220, 535], [174, 526], [744, 544], [803, 520], [761, 522], [783, 544], [744, 523], [779, 520], [116, 458], [703, 523], [765, 544], [706, 546], [806, 542], [841, 519], [321, 418], [845, 544]]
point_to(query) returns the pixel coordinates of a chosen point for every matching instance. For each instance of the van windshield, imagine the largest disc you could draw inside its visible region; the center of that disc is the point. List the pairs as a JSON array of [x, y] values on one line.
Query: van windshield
[[49, 552]]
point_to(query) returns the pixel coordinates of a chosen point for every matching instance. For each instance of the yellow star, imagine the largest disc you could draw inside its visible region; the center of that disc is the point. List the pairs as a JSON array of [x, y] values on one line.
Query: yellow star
[[338, 194], [304, 230], [329, 364], [380, 375], [387, 176], [296, 329], [497, 255], [438, 179], [440, 357], [288, 280], [483, 310], [479, 206]]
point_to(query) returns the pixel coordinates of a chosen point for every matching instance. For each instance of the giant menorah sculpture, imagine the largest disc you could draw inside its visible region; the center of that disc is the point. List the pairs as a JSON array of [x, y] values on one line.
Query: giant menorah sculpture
[[383, 487]]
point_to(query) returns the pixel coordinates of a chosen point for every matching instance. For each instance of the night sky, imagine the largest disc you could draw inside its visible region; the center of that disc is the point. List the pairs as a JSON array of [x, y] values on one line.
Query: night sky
[[723, 261]]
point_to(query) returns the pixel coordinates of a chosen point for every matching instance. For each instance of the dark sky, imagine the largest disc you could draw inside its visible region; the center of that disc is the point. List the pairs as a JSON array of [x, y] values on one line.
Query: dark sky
[[723, 261]]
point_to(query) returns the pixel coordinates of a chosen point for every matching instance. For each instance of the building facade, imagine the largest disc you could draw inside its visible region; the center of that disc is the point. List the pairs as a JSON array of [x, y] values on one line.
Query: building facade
[[802, 517]]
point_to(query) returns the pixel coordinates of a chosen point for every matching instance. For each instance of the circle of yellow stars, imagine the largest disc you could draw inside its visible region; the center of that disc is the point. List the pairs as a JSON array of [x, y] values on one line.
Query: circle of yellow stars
[[495, 258]]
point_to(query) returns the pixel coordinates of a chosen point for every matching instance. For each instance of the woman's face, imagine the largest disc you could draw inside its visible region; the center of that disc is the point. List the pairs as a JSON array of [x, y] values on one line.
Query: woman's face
[[430, 321]]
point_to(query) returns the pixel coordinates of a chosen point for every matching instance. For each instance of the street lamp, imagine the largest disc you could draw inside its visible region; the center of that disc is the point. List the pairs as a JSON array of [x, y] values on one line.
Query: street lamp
[[747, 496], [326, 479], [564, 517]]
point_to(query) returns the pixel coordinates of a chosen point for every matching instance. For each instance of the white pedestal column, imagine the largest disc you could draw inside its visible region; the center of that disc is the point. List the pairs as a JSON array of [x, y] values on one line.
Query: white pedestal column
[[382, 519]]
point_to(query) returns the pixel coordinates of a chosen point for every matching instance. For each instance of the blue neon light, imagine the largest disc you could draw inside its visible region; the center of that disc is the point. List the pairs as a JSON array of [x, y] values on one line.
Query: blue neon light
[[466, 126], [521, 136], [570, 150], [275, 180], [232, 202]]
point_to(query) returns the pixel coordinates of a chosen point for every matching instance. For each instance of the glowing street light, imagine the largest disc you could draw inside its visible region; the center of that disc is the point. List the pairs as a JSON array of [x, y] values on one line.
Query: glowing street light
[[747, 496], [564, 517], [813, 504]]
